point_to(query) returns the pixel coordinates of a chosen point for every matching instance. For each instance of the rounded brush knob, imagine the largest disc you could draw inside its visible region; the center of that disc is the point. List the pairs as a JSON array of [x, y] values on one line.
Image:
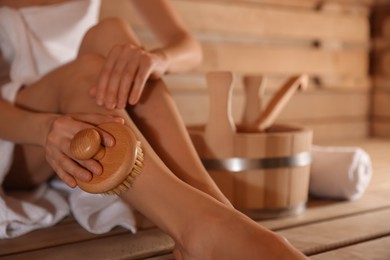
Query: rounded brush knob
[[86, 144]]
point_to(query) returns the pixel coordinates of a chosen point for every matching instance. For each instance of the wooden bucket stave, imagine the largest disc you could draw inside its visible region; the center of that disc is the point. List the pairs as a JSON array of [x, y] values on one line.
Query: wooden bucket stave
[[276, 177]]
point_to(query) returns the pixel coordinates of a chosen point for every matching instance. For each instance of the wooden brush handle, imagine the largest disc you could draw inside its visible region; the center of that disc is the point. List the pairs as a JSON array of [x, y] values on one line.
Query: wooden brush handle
[[117, 161], [86, 144]]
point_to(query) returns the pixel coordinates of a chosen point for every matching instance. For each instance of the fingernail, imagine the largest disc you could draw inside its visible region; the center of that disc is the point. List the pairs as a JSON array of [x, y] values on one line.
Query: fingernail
[[120, 120], [87, 177], [97, 171], [133, 100], [110, 143]]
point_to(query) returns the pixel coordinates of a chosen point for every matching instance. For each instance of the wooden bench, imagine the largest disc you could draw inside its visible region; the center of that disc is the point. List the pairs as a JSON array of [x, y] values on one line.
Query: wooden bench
[[326, 230]]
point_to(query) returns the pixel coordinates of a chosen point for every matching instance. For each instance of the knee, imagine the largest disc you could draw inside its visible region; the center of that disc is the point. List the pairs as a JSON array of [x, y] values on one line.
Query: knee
[[88, 65], [111, 28], [80, 74]]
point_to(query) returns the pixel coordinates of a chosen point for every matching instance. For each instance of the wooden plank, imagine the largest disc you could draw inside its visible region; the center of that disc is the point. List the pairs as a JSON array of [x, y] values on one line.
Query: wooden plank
[[194, 106], [381, 128], [263, 21], [274, 59], [381, 82], [125, 246], [383, 63], [373, 249], [330, 209], [242, 58], [338, 129], [62, 233], [381, 104], [270, 22], [307, 4], [324, 236], [196, 81]]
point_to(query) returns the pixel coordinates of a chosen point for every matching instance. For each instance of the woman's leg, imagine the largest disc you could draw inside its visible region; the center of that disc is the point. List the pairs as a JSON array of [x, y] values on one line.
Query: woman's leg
[[29, 168], [205, 231], [156, 115]]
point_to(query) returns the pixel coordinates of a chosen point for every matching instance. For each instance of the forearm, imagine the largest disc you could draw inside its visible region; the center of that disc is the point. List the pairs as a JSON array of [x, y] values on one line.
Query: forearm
[[22, 126], [182, 54]]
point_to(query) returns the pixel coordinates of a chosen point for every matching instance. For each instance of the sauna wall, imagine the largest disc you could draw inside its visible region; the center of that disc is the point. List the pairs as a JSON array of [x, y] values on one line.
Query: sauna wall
[[381, 69], [329, 40]]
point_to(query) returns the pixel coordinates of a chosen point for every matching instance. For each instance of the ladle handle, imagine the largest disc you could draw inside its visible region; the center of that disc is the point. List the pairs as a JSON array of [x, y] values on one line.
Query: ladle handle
[[86, 144]]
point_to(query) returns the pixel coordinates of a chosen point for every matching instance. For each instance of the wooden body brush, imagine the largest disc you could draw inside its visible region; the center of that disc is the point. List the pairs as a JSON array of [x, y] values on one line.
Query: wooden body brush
[[121, 163]]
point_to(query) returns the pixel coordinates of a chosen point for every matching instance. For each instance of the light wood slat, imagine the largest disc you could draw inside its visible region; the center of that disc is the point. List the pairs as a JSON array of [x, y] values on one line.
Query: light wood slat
[[276, 60], [310, 4], [126, 246], [196, 81], [383, 63], [381, 104], [320, 237], [264, 21], [381, 128], [271, 22], [67, 231], [375, 249], [381, 82], [252, 58], [330, 210], [194, 106], [336, 130]]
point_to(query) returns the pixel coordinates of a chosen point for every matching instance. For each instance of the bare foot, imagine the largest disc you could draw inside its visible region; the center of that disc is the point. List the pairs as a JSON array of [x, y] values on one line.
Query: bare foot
[[232, 235]]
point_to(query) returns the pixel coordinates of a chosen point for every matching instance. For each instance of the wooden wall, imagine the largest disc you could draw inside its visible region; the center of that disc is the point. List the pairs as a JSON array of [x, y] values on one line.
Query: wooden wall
[[329, 40], [381, 69]]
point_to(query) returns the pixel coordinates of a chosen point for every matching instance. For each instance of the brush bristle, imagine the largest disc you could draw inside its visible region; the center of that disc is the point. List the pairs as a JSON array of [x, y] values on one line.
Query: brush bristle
[[135, 171]]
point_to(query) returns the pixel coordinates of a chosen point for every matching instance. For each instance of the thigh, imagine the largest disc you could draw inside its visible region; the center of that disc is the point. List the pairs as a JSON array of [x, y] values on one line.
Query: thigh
[[57, 88], [29, 168]]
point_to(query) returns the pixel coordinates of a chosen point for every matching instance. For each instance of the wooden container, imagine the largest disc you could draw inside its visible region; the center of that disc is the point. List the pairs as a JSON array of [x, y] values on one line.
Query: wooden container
[[265, 173]]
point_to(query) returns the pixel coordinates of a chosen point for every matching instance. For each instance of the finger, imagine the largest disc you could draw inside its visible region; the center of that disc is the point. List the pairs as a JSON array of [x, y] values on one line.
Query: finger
[[65, 177], [92, 91], [107, 139], [92, 166], [96, 119], [75, 170], [126, 83], [65, 161], [106, 73], [142, 76], [126, 55]]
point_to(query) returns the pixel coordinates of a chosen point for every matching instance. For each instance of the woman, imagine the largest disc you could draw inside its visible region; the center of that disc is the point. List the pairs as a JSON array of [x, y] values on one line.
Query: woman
[[111, 73]]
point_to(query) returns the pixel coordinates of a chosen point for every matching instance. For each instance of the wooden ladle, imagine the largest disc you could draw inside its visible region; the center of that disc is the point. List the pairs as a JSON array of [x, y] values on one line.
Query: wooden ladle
[[277, 103]]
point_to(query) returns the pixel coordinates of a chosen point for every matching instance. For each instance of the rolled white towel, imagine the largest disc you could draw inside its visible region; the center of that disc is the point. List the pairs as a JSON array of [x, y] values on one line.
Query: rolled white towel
[[339, 172]]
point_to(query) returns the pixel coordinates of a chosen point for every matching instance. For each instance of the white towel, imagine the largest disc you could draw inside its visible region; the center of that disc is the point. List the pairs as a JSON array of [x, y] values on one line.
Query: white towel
[[34, 41], [97, 213], [22, 212], [339, 172]]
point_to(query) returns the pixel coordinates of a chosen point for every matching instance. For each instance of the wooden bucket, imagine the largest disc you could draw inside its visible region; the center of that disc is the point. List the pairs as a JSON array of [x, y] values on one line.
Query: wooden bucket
[[264, 174]]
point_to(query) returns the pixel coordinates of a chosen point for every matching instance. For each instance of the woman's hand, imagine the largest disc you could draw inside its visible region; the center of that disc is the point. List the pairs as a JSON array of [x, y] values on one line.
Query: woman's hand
[[125, 73], [57, 147]]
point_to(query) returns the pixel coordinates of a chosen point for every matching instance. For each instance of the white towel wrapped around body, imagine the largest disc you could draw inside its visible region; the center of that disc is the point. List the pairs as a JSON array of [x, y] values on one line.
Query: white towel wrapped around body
[[34, 41], [339, 172]]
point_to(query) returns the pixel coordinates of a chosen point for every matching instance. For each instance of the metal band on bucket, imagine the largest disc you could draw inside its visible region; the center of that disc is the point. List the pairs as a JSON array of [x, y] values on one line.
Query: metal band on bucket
[[236, 164]]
